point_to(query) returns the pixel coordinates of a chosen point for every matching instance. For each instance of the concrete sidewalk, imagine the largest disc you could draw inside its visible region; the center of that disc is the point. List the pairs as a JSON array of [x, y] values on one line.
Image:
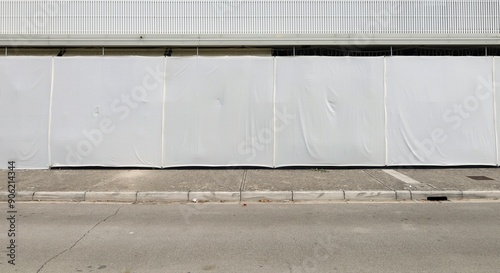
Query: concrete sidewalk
[[259, 185]]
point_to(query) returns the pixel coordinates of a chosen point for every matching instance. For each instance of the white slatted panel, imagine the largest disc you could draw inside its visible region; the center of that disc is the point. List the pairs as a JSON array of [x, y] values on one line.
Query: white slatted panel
[[178, 17]]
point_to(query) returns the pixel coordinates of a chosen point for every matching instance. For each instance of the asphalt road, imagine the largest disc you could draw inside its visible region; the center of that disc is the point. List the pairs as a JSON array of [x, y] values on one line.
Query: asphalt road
[[355, 237]]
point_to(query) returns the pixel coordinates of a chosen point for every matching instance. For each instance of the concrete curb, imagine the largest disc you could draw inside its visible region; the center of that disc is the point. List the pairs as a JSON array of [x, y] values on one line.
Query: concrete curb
[[219, 196], [162, 196], [404, 195], [481, 195], [370, 195], [264, 196], [253, 196], [318, 196], [59, 196], [111, 196]]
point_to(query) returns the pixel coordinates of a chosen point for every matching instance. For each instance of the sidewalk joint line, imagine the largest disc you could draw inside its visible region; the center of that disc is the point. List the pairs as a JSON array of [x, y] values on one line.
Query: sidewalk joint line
[[431, 186], [376, 179], [242, 184]]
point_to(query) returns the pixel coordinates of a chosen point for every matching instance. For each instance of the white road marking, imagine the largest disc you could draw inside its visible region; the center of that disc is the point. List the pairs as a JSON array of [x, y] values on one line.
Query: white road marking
[[402, 177]]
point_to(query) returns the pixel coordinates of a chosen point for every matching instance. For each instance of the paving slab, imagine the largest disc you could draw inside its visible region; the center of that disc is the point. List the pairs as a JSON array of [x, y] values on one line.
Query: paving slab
[[58, 180], [393, 182], [224, 184], [174, 180], [310, 180], [455, 178], [20, 196], [127, 180]]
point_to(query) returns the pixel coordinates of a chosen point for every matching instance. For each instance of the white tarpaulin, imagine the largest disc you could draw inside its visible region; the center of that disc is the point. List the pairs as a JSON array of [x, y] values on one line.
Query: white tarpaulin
[[249, 111], [330, 111], [24, 111], [107, 111], [440, 111], [219, 111]]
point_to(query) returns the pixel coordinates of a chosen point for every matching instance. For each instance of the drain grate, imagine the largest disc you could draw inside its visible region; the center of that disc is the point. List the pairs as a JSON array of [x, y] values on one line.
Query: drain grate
[[437, 198], [480, 177]]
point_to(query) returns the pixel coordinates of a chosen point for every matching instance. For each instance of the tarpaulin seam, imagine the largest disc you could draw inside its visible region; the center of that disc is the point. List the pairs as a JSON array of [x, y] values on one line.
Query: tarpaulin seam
[[495, 107], [274, 112], [162, 164], [385, 111], [49, 133]]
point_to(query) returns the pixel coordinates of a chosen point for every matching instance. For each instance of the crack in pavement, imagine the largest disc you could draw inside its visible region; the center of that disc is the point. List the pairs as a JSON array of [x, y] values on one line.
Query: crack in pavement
[[242, 184], [81, 238], [243, 181]]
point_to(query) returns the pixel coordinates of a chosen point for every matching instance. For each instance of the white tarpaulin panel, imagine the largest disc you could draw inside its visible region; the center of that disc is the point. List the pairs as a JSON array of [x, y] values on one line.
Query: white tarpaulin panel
[[440, 111], [24, 111], [497, 104], [219, 111], [330, 111], [107, 111], [249, 111]]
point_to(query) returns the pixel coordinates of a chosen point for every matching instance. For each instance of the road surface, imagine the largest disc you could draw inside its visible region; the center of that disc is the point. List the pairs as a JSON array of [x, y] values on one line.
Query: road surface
[[339, 237]]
